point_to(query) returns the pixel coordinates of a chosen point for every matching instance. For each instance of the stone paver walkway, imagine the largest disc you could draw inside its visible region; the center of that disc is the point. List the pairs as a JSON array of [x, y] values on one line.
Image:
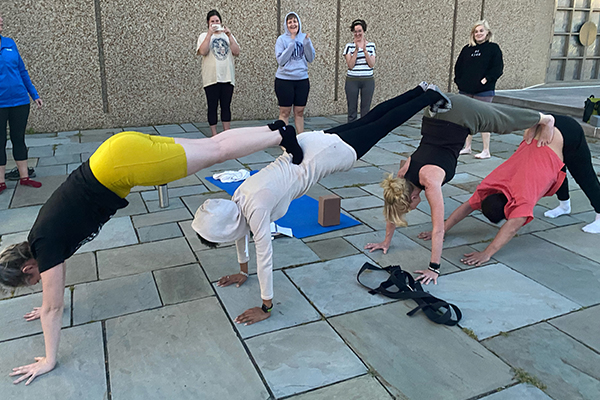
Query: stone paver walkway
[[145, 320]]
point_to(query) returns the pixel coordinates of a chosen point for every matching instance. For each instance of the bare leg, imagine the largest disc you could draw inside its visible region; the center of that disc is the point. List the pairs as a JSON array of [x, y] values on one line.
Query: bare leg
[[486, 146], [467, 147], [213, 130], [284, 114], [233, 143], [226, 126], [22, 167], [299, 119], [2, 173]]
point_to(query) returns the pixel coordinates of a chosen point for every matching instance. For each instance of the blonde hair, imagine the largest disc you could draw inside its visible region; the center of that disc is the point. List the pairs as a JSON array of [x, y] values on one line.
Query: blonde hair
[[486, 25], [396, 197]]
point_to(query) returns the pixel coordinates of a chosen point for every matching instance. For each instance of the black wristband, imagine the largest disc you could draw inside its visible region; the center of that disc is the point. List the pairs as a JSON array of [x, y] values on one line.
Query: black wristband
[[267, 309], [435, 266]]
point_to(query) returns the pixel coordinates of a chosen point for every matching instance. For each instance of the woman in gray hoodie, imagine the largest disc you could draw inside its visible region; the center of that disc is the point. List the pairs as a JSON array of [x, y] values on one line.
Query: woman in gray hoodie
[[294, 50]]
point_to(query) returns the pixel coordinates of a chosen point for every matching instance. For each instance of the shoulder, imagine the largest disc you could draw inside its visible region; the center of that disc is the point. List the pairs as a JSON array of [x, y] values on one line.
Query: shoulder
[[202, 35]]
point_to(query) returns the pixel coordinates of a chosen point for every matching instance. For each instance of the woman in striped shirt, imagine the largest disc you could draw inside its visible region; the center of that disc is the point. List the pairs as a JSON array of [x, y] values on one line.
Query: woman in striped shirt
[[360, 57]]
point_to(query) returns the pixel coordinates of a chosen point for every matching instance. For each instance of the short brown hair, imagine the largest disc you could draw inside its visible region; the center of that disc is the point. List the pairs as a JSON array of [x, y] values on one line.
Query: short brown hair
[[12, 260]]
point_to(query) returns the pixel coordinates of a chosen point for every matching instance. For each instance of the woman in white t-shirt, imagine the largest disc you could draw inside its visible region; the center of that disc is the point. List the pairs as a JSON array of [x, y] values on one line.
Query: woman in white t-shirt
[[217, 48], [360, 57]]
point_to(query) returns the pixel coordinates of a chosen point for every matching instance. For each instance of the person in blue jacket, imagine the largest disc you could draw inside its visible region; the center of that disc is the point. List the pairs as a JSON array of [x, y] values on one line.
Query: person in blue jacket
[[15, 89], [294, 50]]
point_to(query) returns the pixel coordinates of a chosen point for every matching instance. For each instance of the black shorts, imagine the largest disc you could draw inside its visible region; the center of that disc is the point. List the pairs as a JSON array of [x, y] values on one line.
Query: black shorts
[[292, 92]]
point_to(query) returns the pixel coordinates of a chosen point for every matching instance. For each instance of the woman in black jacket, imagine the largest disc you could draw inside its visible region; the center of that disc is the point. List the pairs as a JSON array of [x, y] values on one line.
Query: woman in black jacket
[[477, 69]]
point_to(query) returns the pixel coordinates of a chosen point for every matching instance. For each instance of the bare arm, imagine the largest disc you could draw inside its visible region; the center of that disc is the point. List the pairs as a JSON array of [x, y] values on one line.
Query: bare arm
[[370, 59], [351, 59], [204, 47], [53, 287], [233, 44], [504, 235], [458, 215], [390, 228], [546, 125]]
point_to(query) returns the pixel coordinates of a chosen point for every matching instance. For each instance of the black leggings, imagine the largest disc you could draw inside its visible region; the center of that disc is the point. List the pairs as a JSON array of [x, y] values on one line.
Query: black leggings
[[364, 133], [17, 119], [578, 160], [215, 94]]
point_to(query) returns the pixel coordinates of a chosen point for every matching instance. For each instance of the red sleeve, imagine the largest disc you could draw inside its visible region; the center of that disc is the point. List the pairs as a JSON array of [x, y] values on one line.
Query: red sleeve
[[519, 210]]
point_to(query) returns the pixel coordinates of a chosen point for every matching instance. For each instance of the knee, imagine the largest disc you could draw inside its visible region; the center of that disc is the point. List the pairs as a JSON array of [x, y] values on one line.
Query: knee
[[284, 112], [298, 112]]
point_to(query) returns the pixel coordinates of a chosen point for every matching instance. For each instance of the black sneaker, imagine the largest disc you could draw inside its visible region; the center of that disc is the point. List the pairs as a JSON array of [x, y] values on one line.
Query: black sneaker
[[13, 174]]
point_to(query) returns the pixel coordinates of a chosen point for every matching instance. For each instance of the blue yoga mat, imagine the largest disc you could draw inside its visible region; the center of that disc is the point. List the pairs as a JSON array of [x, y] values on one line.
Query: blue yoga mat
[[302, 215]]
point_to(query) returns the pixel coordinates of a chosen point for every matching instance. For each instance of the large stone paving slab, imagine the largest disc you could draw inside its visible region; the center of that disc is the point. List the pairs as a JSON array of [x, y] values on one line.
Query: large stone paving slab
[[136, 206], [185, 351], [117, 232], [582, 325], [365, 175], [18, 219], [302, 358], [286, 252], [290, 307], [114, 297], [332, 287], [399, 349], [179, 284], [11, 316], [361, 388], [519, 392], [359, 203], [27, 196], [159, 232], [332, 248], [379, 156], [468, 231], [79, 374], [576, 278], [496, 299], [573, 238], [161, 217], [565, 366], [144, 257]]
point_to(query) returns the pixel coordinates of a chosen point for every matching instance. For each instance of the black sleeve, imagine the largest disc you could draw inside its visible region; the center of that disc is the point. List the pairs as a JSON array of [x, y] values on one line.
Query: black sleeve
[[496, 67], [458, 67]]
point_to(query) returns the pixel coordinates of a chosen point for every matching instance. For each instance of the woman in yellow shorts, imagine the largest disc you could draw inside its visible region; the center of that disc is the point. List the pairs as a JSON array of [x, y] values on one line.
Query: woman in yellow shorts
[[93, 193]]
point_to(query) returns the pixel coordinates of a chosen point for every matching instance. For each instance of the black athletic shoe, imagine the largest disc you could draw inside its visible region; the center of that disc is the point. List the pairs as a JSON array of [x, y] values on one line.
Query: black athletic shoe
[[13, 174], [276, 125], [290, 143]]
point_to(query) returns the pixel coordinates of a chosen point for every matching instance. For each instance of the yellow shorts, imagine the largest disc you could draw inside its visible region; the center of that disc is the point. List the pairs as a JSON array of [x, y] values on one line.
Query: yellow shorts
[[131, 159]]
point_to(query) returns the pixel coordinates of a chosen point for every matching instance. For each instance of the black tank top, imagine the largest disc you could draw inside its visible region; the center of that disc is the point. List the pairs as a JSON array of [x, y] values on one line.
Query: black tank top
[[440, 145]]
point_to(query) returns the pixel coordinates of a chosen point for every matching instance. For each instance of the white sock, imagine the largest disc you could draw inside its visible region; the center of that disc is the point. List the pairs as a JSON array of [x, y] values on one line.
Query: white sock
[[563, 208], [594, 227]]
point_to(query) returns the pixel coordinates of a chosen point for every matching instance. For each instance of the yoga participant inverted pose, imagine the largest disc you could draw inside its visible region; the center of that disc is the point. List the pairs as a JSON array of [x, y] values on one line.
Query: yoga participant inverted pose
[[511, 191], [266, 196], [434, 163], [94, 192]]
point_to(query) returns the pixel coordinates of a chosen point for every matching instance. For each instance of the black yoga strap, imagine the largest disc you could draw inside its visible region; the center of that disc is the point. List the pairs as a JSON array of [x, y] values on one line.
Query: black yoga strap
[[437, 310]]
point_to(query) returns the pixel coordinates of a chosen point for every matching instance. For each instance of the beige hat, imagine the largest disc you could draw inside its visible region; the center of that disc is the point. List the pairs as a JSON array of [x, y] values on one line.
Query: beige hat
[[220, 221]]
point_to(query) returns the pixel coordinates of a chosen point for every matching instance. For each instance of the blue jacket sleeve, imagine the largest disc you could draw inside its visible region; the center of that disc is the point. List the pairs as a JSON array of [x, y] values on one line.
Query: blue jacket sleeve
[[282, 52], [309, 50], [26, 80]]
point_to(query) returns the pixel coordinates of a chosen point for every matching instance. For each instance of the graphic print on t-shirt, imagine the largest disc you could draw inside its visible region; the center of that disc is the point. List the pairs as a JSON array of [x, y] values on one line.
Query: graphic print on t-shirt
[[220, 48], [298, 51]]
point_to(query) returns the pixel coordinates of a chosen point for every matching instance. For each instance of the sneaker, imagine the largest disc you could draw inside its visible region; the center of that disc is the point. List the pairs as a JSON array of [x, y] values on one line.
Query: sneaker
[[13, 174], [424, 85], [441, 105]]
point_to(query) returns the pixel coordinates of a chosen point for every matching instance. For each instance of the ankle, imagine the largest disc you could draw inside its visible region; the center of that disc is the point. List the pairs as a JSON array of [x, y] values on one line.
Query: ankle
[[30, 182]]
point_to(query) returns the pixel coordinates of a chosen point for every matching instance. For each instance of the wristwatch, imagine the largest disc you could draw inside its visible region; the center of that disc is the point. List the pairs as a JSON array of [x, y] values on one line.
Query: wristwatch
[[267, 309]]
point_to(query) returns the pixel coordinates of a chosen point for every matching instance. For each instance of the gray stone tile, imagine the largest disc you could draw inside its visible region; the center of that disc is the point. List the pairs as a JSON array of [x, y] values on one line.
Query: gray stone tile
[[258, 157], [76, 148], [461, 368], [354, 230], [161, 217], [573, 238], [159, 232], [361, 203], [64, 159], [375, 189], [348, 193], [379, 156], [290, 307], [179, 284], [189, 127], [93, 132], [481, 168], [511, 138], [12, 311], [449, 206], [72, 167], [468, 231], [18, 219], [191, 236], [573, 276], [194, 202], [565, 366], [154, 205], [28, 196], [404, 251], [41, 141], [396, 147], [80, 373], [144, 257], [166, 130], [176, 192], [302, 358], [98, 138], [331, 286], [361, 388], [332, 248], [522, 392], [43, 151], [496, 299], [136, 206], [12, 238], [286, 252], [5, 198], [317, 191], [114, 297], [195, 337], [582, 325], [189, 180], [356, 176], [143, 129], [117, 232]]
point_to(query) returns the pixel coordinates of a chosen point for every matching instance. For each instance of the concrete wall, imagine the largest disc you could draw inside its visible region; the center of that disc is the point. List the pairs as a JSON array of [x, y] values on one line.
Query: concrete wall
[[105, 63]]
